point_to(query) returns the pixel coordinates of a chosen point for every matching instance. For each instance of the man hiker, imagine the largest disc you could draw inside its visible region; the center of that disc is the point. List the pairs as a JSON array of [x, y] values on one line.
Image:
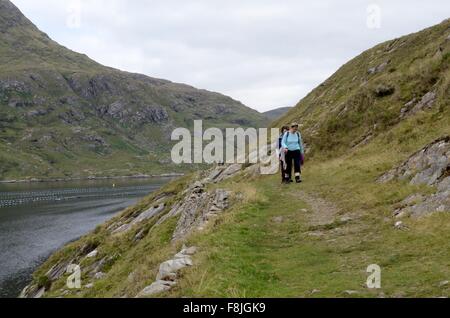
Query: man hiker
[[292, 144]]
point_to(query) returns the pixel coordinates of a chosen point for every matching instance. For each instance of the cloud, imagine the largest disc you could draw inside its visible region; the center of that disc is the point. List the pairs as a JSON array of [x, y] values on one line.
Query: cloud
[[266, 53]]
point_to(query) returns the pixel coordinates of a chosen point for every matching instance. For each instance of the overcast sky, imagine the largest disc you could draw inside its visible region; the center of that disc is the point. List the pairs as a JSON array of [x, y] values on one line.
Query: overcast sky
[[267, 54]]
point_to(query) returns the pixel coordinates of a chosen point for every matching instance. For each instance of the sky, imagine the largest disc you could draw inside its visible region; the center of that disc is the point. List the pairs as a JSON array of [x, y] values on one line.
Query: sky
[[264, 53]]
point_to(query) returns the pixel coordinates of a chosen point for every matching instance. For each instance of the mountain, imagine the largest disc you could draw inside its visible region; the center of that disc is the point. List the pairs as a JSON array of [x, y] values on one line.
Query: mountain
[[276, 113], [374, 202], [64, 115]]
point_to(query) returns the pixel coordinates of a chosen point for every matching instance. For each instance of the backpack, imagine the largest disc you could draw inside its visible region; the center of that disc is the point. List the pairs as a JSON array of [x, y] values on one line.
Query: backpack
[[285, 136]]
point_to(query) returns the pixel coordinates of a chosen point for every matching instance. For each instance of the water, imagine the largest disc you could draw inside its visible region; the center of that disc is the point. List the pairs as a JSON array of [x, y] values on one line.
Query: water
[[37, 219]]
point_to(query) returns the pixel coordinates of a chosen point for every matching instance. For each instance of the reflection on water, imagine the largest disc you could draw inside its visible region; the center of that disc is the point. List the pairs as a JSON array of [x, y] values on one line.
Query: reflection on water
[[36, 219]]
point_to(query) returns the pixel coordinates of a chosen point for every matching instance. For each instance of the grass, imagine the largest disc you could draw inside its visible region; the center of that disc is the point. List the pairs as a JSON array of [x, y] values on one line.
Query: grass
[[248, 254]]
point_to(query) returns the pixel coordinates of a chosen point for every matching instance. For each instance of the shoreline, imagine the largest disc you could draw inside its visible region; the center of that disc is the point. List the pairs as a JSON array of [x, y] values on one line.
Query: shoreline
[[53, 180]]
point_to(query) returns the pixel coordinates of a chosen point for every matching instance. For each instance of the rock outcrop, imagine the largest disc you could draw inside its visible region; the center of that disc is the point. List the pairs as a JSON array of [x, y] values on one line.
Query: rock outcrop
[[429, 166], [168, 272], [414, 106]]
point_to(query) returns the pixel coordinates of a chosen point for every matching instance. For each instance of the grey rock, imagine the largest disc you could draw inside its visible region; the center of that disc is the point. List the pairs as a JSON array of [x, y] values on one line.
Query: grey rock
[[253, 170], [400, 226], [174, 211], [346, 219], [99, 275], [186, 252], [197, 208], [426, 102], [92, 254], [229, 172], [168, 270], [140, 235], [215, 173], [191, 211], [58, 270], [429, 166], [37, 112], [378, 69], [278, 219], [32, 291], [150, 213], [122, 229], [351, 292], [157, 287]]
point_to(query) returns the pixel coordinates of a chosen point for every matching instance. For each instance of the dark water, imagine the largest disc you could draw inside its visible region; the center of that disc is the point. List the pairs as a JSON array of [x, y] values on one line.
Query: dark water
[[37, 219]]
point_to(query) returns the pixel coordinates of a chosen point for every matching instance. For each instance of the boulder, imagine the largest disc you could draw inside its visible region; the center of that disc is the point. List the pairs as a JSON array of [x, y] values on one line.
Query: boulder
[[186, 252], [157, 287], [168, 270]]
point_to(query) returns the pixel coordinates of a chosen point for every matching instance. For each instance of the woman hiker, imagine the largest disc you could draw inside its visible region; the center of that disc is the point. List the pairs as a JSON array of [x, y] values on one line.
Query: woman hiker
[[294, 151], [281, 154]]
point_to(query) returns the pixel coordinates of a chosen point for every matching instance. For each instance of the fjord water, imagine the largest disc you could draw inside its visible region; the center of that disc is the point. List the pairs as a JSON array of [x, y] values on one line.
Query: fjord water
[[38, 218]]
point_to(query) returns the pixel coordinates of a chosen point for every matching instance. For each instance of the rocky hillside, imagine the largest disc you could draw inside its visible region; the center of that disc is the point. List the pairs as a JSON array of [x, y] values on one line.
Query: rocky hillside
[[376, 91], [375, 191], [276, 113], [64, 115]]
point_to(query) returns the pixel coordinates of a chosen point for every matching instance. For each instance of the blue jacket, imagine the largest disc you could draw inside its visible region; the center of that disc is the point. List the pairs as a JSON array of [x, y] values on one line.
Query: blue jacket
[[293, 142]]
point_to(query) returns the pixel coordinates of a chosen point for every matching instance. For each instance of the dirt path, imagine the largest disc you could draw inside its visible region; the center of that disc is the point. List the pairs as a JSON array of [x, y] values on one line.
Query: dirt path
[[323, 212]]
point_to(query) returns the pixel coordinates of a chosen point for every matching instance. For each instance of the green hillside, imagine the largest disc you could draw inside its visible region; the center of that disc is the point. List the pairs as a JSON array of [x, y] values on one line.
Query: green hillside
[[378, 90], [376, 191], [64, 115]]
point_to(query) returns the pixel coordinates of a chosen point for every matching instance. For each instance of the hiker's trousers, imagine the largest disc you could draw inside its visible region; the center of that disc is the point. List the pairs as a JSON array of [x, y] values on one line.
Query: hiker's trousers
[[283, 172], [293, 157]]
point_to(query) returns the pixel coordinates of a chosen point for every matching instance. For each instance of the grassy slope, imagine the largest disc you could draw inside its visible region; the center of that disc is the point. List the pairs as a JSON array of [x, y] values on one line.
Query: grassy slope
[[250, 255], [244, 253], [344, 110]]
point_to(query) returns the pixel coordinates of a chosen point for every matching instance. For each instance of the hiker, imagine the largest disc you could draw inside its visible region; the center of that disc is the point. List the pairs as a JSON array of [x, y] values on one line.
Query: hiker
[[282, 154], [292, 144]]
